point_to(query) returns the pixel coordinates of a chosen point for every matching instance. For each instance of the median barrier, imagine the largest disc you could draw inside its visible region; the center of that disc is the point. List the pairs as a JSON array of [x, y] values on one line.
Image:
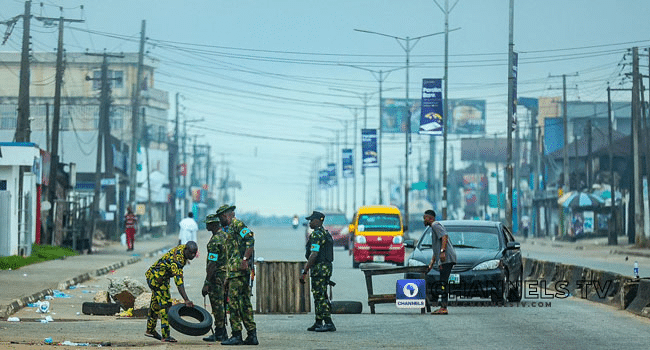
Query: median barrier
[[278, 288], [642, 299], [529, 267]]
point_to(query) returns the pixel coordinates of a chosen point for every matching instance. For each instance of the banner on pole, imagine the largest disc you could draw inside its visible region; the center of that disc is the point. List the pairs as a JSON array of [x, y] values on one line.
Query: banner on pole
[[431, 115], [331, 174], [348, 163], [369, 148], [323, 179]]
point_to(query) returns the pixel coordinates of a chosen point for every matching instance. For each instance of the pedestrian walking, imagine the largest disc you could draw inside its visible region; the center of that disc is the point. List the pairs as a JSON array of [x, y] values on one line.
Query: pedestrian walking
[[319, 252], [240, 247], [188, 229], [215, 279], [130, 225], [170, 265], [443, 259]]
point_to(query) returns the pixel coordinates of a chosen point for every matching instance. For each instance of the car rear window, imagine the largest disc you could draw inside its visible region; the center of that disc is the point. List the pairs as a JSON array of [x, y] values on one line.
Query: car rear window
[[379, 222], [468, 237]]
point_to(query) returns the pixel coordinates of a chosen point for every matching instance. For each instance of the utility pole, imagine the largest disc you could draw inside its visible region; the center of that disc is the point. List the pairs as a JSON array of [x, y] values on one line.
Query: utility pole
[[22, 125], [511, 111], [58, 82], [103, 134], [565, 125], [148, 170], [446, 11], [636, 129], [135, 124], [612, 236]]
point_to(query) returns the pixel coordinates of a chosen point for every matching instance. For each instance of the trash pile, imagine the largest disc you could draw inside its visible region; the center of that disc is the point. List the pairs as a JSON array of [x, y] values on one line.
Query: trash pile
[[125, 296]]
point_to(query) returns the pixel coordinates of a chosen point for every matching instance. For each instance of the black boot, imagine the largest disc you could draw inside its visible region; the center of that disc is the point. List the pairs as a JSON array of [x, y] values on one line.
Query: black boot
[[234, 340], [251, 339], [316, 324], [328, 326], [219, 334]]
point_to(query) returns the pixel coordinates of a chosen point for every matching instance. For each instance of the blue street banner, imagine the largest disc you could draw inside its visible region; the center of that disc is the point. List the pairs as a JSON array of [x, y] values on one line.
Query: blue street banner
[[331, 174], [323, 179], [410, 294], [369, 148], [348, 163], [431, 115], [515, 59]]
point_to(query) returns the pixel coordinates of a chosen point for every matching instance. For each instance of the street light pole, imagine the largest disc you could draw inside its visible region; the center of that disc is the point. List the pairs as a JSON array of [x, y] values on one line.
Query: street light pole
[[407, 49]]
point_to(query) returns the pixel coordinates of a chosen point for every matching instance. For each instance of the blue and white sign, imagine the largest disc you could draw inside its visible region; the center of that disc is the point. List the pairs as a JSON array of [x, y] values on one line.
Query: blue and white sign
[[348, 163], [410, 294], [331, 174], [431, 115], [369, 148]]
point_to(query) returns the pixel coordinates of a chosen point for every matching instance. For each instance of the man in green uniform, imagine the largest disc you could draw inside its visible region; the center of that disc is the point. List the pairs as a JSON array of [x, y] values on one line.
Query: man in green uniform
[[169, 265], [215, 279], [320, 255], [240, 245]]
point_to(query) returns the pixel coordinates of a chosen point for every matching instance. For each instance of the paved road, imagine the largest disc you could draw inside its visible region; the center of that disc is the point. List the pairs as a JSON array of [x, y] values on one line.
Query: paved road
[[567, 324]]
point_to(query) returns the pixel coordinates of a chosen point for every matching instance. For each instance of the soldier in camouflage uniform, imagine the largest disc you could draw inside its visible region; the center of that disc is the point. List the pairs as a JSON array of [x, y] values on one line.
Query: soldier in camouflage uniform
[[169, 265], [240, 245], [320, 255], [215, 280]]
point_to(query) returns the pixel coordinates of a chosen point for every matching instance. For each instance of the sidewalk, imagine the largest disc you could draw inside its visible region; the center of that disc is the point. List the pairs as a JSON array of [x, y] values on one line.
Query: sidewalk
[[31, 283]]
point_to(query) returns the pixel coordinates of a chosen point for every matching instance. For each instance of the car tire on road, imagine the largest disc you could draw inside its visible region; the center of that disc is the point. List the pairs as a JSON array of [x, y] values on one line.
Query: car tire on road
[[346, 307], [355, 264], [178, 311], [103, 309], [515, 295]]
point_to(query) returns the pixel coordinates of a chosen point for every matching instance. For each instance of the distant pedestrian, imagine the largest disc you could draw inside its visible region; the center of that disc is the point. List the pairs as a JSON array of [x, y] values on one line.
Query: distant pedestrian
[[188, 229], [444, 257], [130, 225], [240, 245], [319, 252], [215, 279], [169, 265]]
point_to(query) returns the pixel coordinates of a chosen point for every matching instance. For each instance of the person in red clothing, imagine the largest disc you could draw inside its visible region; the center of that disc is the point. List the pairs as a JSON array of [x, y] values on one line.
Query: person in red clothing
[[131, 224]]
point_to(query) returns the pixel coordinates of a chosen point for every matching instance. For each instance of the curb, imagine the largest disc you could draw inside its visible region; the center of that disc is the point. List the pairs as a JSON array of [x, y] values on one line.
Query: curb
[[17, 304]]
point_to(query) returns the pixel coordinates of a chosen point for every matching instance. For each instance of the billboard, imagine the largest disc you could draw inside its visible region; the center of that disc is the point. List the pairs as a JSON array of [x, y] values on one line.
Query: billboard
[[467, 116]]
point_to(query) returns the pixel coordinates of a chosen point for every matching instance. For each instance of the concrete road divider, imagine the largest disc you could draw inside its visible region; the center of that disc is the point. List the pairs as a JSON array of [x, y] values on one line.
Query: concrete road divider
[[642, 299]]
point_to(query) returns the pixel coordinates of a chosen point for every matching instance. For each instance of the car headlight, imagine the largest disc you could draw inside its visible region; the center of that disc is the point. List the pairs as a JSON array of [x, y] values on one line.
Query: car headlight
[[414, 262], [398, 239], [360, 239], [487, 265]]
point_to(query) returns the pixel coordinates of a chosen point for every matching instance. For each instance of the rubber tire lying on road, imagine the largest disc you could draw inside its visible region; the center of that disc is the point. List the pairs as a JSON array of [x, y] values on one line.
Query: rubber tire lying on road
[[346, 307], [203, 326], [104, 309]]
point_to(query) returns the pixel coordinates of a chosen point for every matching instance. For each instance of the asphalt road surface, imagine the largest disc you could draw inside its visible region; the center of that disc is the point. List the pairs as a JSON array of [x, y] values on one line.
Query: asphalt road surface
[[533, 324]]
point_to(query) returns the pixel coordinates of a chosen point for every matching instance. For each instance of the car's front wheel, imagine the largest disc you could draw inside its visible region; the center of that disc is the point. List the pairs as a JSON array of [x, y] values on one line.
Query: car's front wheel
[[501, 294], [515, 294]]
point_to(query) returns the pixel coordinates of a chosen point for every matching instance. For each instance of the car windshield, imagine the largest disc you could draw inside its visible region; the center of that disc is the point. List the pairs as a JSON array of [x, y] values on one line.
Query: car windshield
[[335, 219], [463, 237], [379, 222]]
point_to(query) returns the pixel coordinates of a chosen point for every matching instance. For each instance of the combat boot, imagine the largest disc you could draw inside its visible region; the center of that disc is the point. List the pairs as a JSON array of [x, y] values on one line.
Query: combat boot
[[328, 326], [234, 340], [251, 338], [219, 334], [316, 324]]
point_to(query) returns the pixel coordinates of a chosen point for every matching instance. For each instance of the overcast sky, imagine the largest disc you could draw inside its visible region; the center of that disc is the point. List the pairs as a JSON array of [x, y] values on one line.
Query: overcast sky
[[266, 76]]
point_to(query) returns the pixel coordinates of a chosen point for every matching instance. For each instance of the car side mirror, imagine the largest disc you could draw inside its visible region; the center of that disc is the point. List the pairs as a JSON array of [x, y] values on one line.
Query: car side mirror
[[351, 228], [513, 245], [409, 243]]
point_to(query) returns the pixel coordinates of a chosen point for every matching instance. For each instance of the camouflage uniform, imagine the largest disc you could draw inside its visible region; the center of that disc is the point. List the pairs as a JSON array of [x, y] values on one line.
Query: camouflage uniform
[[320, 241], [239, 238], [169, 265], [216, 261]]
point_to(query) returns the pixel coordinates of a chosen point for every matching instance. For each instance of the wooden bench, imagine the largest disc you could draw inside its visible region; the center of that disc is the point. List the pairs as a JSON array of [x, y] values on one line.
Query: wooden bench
[[370, 270]]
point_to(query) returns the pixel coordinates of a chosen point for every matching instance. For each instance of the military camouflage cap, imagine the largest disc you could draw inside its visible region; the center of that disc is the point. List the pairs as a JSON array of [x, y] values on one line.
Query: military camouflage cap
[[225, 208], [211, 218]]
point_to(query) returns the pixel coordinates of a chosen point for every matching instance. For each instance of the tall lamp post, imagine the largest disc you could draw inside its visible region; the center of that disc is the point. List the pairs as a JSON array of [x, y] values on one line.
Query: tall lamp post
[[405, 44], [380, 77]]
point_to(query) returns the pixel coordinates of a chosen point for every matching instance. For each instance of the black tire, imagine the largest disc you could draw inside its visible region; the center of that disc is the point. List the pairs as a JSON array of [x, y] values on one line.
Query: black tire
[[355, 264], [103, 309], [346, 307], [198, 313], [500, 296]]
